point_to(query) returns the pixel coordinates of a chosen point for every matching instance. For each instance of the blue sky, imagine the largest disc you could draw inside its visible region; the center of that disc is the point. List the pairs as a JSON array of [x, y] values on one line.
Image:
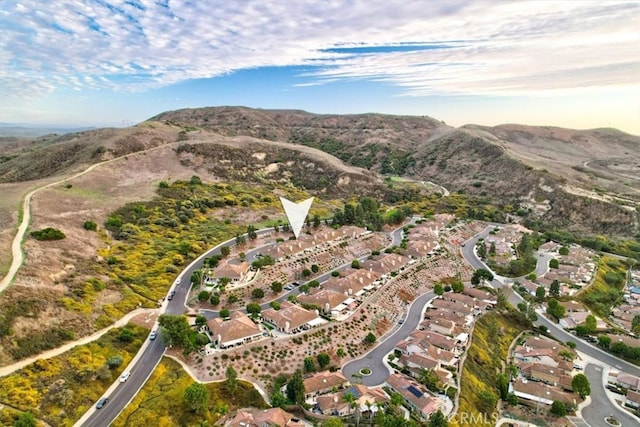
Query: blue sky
[[574, 64]]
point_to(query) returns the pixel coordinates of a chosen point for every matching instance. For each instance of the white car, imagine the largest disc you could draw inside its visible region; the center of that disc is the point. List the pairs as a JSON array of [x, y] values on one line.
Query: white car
[[178, 280], [125, 376]]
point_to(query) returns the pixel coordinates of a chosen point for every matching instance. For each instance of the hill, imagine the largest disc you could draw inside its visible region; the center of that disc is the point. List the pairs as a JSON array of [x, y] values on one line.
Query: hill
[[584, 181]]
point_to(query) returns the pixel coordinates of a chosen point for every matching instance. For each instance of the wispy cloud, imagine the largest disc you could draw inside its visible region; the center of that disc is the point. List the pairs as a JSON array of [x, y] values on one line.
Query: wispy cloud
[[444, 47]]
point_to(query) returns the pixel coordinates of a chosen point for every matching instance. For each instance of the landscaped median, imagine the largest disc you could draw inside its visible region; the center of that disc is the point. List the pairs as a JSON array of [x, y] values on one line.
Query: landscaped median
[[59, 390]]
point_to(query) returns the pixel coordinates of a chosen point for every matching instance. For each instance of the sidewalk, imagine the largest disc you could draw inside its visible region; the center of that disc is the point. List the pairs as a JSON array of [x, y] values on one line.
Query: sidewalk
[[9, 369]]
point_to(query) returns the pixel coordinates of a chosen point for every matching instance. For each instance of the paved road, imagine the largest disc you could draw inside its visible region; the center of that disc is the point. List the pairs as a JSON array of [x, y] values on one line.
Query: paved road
[[149, 355], [592, 414], [374, 359], [601, 406]]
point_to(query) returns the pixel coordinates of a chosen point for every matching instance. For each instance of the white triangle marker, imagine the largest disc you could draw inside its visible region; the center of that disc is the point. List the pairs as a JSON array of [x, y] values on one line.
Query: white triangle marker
[[296, 213]]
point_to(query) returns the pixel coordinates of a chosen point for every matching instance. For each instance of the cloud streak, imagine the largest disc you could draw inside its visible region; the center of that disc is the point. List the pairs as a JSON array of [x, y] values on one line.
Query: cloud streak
[[484, 48]]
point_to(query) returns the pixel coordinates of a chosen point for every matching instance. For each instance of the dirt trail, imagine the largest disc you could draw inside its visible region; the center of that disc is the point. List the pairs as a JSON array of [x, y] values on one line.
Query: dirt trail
[[17, 256], [6, 370]]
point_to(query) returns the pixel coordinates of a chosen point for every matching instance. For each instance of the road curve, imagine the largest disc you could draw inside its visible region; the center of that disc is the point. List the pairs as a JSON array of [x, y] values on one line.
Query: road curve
[[374, 360], [600, 405]]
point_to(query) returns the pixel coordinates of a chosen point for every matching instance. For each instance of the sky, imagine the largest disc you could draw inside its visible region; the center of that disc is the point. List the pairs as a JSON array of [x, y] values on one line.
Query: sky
[[573, 64]]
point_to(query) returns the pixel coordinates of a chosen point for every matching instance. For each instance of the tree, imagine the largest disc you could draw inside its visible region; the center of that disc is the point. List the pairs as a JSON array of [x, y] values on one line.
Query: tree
[[225, 251], [604, 341], [370, 338], [486, 401], [429, 379], [251, 232], [571, 344], [333, 422], [502, 384], [355, 264], [340, 352], [457, 286], [481, 274], [114, 361], [512, 399], [309, 364], [278, 400], [635, 324], [323, 360], [501, 301], [175, 329], [349, 399], [25, 419], [492, 249], [540, 293], [254, 309], [275, 305], [555, 309], [554, 289], [276, 287], [315, 268], [215, 299], [564, 251], [295, 388], [553, 263], [200, 320], [91, 226], [196, 397], [558, 409], [580, 384], [203, 296], [582, 331], [591, 324], [257, 293], [232, 380], [438, 289], [437, 419], [224, 313]]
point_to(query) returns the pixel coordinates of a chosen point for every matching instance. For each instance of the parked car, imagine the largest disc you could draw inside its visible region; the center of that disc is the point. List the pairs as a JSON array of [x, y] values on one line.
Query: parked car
[[178, 280], [153, 335], [101, 402], [171, 294], [125, 376], [288, 287]]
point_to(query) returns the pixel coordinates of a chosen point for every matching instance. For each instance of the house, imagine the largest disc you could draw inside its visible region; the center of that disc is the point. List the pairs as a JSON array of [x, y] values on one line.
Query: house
[[454, 307], [628, 382], [416, 362], [323, 382], [290, 318], [441, 326], [233, 269], [633, 399], [539, 392], [367, 399], [254, 417], [239, 329], [415, 395], [526, 354], [544, 373], [480, 295], [326, 299], [459, 320], [572, 306]]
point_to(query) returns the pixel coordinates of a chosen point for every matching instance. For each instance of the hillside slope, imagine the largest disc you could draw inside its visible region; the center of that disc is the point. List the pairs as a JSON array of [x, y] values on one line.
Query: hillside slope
[[584, 181]]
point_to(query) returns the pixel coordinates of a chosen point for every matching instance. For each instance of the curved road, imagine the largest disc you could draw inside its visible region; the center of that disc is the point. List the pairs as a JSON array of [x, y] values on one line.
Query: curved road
[[142, 366], [600, 405], [374, 359]]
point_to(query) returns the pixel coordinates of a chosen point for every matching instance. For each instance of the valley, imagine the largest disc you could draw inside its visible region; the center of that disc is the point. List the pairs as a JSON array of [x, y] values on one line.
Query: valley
[[136, 206]]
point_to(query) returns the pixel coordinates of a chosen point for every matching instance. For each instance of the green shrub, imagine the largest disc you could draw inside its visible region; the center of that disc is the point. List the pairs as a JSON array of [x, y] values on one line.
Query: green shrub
[[90, 225], [48, 234]]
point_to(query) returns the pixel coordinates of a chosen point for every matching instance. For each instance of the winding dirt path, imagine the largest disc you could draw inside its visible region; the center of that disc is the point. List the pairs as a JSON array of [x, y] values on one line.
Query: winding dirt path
[[9, 369], [17, 256]]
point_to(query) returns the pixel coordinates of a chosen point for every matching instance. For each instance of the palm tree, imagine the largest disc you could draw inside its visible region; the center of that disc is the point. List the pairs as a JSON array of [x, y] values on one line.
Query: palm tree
[[349, 398], [369, 408]]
